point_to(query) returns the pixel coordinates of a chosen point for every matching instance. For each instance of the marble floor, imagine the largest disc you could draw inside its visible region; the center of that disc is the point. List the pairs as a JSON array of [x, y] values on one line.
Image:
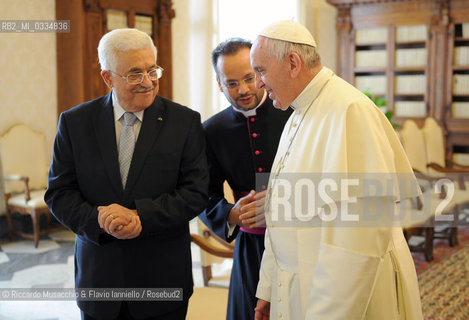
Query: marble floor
[[49, 266]]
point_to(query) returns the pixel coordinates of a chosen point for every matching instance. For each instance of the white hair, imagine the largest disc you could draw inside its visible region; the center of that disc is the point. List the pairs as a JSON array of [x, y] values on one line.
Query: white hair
[[280, 49], [124, 39]]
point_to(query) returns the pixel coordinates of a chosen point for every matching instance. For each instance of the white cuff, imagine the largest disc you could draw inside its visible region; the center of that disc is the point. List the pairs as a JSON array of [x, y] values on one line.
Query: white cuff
[[231, 228]]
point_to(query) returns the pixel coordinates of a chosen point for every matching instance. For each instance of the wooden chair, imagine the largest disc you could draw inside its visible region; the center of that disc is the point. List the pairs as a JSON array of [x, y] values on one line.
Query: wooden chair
[[214, 251], [424, 227], [209, 302], [413, 141], [23, 155], [422, 219], [425, 150], [437, 160], [435, 149]]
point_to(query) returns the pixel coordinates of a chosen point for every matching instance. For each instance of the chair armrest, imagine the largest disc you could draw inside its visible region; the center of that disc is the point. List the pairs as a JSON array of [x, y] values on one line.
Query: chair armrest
[[454, 174], [439, 168], [210, 234], [427, 177], [205, 245], [458, 165], [432, 181], [17, 177]]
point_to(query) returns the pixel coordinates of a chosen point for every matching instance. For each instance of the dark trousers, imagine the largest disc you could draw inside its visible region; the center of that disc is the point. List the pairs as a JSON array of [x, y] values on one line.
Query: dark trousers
[[124, 314]]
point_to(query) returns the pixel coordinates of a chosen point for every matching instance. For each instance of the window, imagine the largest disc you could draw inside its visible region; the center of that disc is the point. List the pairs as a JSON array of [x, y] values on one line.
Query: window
[[245, 19]]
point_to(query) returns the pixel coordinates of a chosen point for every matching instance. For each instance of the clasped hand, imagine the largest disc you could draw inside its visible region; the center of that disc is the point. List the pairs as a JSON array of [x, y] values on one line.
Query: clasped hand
[[262, 310], [119, 221], [248, 212]]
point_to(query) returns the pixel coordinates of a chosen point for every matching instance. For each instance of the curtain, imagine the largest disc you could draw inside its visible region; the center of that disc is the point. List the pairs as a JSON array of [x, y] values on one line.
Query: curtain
[[194, 37]]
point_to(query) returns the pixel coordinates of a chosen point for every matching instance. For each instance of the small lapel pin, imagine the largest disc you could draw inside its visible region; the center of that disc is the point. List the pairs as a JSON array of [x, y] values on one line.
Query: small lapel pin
[[160, 119]]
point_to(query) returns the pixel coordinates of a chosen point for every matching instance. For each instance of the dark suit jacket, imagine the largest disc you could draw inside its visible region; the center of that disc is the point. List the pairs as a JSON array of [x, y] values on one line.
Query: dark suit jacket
[[167, 184]]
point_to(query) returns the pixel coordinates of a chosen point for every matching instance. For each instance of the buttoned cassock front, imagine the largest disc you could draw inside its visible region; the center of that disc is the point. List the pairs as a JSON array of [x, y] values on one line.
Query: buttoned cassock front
[[238, 147], [334, 272]]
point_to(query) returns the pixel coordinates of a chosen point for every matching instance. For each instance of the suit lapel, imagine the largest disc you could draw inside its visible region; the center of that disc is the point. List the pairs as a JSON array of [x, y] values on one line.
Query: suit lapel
[[106, 137], [153, 119]]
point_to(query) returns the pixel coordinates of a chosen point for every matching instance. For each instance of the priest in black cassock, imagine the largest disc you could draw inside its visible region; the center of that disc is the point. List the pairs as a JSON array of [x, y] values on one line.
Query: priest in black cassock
[[242, 140]]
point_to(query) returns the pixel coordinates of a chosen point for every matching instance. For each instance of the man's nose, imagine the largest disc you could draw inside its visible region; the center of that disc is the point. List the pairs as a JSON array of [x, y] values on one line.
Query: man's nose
[[243, 87], [147, 82]]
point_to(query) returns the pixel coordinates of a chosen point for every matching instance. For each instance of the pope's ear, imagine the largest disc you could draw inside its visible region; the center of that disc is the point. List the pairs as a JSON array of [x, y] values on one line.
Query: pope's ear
[[106, 75], [295, 64]]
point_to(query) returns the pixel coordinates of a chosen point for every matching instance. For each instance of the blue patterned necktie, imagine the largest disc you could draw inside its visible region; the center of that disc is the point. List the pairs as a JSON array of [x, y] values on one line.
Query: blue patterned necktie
[[126, 145]]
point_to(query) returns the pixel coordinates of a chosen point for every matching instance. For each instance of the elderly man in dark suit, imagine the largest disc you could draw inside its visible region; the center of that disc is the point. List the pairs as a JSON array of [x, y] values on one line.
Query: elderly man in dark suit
[[128, 173]]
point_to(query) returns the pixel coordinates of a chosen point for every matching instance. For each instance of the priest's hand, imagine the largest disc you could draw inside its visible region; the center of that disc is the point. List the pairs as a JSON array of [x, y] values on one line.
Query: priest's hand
[[253, 212], [114, 217], [262, 310], [236, 212]]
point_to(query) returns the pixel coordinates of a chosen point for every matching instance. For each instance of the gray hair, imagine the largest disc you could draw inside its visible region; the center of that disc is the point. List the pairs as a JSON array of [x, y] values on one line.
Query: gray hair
[[280, 49], [124, 39]]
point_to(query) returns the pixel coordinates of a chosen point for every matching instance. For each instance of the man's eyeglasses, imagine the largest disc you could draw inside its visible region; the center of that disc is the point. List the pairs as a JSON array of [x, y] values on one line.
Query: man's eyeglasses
[[235, 84], [137, 78]]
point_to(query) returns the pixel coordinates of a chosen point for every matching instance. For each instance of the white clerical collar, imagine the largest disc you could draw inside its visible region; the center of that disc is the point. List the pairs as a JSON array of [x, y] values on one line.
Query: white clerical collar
[[312, 89], [119, 111], [251, 112]]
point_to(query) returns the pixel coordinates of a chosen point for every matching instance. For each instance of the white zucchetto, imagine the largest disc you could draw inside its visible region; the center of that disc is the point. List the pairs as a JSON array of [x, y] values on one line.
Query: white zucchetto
[[289, 30]]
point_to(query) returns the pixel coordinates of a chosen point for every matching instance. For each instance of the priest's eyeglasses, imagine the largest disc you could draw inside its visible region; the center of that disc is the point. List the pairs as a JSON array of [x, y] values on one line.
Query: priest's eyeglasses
[[137, 78], [235, 84]]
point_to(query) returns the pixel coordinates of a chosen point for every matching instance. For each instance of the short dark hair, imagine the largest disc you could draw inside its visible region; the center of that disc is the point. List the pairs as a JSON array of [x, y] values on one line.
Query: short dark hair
[[228, 47]]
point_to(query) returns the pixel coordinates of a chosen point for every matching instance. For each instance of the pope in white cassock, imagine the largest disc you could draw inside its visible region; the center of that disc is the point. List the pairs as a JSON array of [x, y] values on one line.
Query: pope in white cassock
[[330, 271]]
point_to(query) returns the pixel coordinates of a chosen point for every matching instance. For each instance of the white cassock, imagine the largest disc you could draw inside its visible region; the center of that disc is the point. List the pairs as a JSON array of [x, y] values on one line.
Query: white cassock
[[338, 272]]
